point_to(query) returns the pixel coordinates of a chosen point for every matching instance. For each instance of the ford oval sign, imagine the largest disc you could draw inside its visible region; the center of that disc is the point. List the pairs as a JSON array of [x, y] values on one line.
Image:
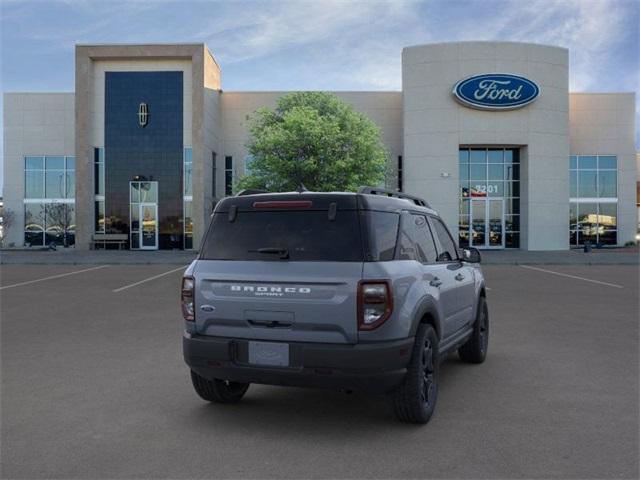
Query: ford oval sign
[[496, 91]]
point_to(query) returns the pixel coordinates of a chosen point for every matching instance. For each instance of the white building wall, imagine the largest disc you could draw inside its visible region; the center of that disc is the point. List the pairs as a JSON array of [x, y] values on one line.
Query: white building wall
[[604, 124], [436, 125], [34, 124]]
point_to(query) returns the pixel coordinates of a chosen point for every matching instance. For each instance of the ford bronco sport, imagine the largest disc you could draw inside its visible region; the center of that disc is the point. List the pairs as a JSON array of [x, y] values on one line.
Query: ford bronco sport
[[353, 291]]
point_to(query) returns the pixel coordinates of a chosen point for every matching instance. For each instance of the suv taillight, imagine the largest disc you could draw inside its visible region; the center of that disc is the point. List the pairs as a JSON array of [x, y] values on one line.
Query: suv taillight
[[186, 298], [375, 303]]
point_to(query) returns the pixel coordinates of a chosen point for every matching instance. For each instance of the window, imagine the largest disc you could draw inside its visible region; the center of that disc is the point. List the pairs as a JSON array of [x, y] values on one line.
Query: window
[[188, 225], [383, 232], [400, 172], [448, 250], [228, 175], [188, 172], [34, 223], [98, 190], [49, 213], [593, 188], [49, 177], [187, 197], [426, 240], [416, 241], [214, 158], [99, 216], [304, 235]]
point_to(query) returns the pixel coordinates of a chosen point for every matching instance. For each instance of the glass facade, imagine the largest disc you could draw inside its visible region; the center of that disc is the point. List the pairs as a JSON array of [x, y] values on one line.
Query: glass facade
[[489, 197], [49, 210], [593, 187], [152, 151]]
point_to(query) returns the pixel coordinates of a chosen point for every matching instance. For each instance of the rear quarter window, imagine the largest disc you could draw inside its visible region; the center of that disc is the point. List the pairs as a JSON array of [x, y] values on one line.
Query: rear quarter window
[[306, 235], [383, 234]]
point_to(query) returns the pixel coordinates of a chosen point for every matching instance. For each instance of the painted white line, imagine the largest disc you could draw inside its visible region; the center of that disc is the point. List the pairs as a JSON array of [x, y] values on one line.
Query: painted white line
[[52, 277], [487, 288], [149, 279], [572, 276]]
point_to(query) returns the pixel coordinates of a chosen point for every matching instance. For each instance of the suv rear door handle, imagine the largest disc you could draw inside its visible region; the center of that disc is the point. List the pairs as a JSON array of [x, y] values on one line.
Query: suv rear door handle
[[459, 277], [435, 282]]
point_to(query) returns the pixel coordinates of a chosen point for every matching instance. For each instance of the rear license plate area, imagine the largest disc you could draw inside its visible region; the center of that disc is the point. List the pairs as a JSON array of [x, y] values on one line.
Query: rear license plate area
[[269, 354]]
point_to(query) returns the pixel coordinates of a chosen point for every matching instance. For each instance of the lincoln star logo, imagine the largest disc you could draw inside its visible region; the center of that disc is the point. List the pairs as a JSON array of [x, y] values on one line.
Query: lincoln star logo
[[496, 91], [143, 114], [271, 291]]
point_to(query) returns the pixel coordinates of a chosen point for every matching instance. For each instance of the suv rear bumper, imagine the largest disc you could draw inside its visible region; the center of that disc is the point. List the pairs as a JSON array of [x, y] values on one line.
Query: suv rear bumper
[[370, 367]]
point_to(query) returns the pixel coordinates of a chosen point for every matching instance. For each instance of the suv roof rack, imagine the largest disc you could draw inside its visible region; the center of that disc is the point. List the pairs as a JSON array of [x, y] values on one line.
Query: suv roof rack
[[250, 191], [391, 193]]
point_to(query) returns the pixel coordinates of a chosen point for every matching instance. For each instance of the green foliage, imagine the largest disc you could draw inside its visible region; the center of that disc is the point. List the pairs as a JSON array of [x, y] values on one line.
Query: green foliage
[[317, 139]]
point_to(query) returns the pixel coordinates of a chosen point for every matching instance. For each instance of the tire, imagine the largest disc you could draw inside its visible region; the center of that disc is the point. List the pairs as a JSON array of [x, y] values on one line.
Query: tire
[[414, 401], [475, 349], [218, 391]]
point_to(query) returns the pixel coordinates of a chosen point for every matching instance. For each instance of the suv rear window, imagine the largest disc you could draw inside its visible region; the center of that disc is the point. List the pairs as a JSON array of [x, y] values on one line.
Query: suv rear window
[[304, 235]]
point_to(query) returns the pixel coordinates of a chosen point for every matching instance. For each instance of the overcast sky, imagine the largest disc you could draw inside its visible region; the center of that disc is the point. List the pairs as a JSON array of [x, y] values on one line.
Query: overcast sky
[[317, 45]]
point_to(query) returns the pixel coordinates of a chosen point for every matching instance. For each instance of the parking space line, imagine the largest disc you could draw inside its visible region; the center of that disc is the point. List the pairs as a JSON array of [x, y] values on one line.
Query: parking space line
[[53, 277], [149, 279], [575, 277]]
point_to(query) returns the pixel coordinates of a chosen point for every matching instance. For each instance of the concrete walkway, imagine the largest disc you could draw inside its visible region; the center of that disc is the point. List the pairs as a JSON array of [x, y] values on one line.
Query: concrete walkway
[[70, 256]]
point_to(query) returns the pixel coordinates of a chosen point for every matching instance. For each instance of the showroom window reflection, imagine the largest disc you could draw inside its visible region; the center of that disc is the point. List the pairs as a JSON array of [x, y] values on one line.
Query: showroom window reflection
[[593, 186], [49, 210]]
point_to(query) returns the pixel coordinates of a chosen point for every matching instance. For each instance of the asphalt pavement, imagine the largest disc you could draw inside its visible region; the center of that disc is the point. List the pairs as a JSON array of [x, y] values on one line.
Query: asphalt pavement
[[94, 386]]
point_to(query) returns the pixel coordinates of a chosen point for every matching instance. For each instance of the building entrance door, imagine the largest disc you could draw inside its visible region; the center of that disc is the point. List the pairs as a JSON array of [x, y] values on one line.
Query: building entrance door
[[144, 215], [487, 223], [148, 226]]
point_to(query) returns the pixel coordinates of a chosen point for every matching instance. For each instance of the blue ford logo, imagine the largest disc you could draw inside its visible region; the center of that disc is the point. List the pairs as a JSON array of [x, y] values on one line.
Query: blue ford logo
[[496, 91]]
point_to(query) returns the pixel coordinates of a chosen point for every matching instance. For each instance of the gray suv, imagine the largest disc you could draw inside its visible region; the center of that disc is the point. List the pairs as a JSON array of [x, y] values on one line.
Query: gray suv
[[352, 291]]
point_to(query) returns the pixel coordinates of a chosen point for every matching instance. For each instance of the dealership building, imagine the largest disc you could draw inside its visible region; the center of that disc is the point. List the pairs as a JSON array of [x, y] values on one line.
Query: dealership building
[[487, 132]]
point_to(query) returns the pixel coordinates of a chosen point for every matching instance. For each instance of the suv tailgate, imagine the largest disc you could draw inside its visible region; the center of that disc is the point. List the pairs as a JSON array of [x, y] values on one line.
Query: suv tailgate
[[284, 301]]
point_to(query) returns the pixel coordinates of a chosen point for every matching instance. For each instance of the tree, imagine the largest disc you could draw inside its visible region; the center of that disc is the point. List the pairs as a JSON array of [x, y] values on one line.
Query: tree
[[316, 139]]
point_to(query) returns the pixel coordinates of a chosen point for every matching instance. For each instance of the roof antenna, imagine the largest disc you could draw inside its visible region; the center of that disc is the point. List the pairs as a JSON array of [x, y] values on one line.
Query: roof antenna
[[301, 188]]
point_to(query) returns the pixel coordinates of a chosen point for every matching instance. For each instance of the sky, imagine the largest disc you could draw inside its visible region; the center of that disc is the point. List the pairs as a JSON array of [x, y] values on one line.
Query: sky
[[317, 45]]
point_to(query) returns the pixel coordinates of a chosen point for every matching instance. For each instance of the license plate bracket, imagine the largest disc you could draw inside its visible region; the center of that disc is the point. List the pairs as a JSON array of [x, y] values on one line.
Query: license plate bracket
[[269, 354]]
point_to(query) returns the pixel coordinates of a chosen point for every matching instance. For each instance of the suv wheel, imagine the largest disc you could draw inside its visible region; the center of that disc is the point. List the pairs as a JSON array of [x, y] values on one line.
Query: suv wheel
[[218, 391], [475, 349], [415, 400]]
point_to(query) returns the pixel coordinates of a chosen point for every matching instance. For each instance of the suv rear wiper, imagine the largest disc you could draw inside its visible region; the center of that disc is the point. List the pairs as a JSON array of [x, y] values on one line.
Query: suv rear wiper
[[283, 252]]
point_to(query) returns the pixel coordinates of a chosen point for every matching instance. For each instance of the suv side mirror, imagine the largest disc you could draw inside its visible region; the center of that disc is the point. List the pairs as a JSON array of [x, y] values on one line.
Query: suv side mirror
[[471, 255]]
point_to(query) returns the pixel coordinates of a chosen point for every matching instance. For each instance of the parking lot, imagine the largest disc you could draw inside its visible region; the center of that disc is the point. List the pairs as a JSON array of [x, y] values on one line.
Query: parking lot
[[94, 386]]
